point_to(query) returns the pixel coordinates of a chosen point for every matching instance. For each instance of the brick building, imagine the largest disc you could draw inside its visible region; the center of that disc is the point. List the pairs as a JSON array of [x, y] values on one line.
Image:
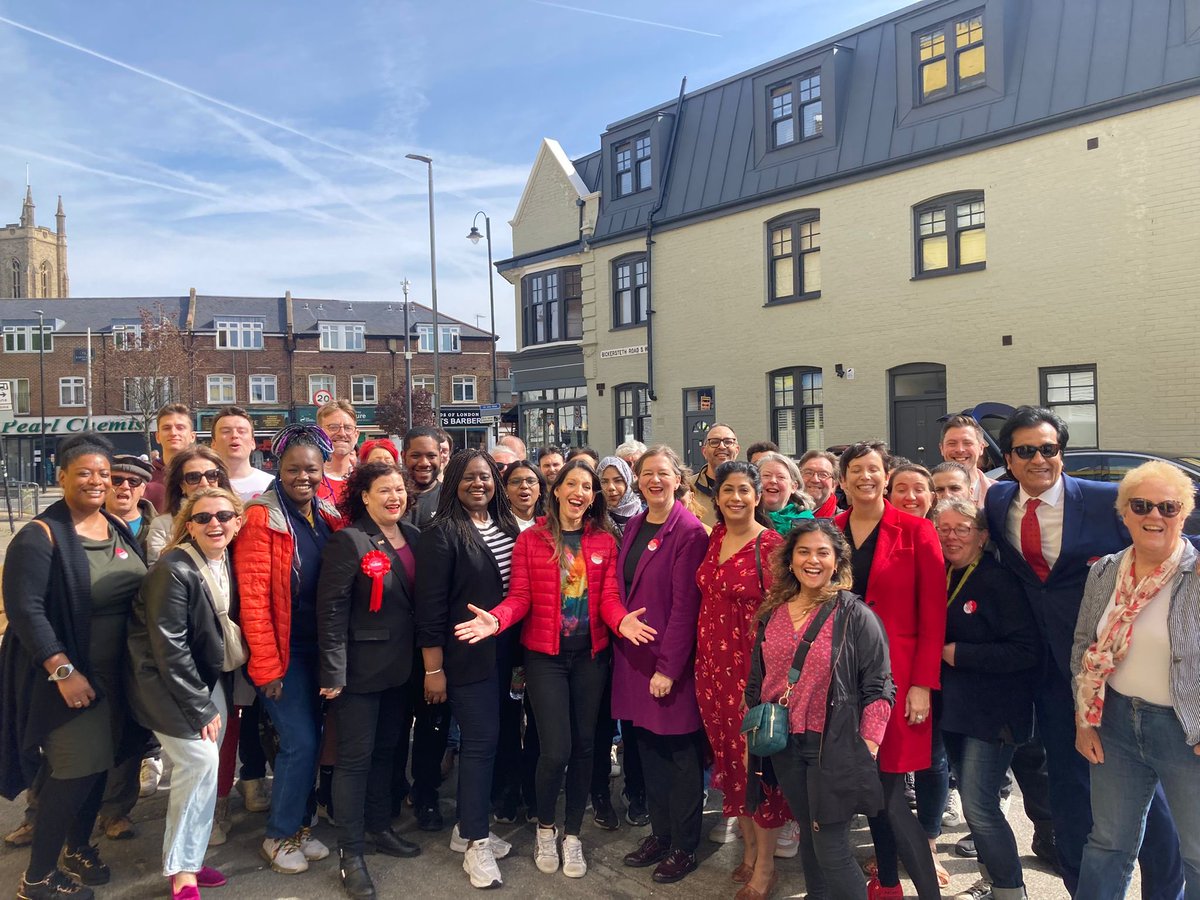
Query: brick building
[[962, 201]]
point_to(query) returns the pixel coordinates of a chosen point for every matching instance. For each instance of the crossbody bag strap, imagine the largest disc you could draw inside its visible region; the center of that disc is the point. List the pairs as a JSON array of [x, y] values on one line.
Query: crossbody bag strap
[[806, 642], [758, 560]]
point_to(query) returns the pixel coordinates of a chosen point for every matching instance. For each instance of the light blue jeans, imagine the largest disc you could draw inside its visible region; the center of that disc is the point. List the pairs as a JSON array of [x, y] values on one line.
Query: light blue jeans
[[1144, 746], [193, 795]]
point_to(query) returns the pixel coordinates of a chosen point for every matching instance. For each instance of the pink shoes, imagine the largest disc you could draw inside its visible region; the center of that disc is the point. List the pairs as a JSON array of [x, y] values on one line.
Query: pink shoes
[[207, 877]]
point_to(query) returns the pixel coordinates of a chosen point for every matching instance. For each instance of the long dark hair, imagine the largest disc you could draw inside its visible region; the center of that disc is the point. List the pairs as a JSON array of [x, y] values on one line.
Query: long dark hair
[[359, 482], [595, 515], [450, 509], [174, 489], [736, 467], [539, 505], [785, 585]]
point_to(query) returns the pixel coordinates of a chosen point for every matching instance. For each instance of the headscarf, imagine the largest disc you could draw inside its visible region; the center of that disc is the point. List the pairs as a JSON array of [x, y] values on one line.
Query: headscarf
[[630, 504], [784, 520], [365, 450]]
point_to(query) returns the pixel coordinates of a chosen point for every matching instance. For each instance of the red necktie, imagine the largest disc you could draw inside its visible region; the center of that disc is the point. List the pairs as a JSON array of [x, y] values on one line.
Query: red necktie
[[1031, 540]]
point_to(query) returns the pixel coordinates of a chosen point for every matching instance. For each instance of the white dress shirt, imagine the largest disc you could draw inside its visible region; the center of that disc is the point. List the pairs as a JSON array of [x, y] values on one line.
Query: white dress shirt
[[1050, 520]]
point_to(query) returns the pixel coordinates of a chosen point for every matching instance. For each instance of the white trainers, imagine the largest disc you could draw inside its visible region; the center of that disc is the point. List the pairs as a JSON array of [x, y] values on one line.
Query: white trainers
[[500, 847], [980, 890], [310, 846], [480, 863], [726, 831], [284, 855], [953, 815], [788, 843], [149, 776], [545, 851], [256, 794], [574, 865]]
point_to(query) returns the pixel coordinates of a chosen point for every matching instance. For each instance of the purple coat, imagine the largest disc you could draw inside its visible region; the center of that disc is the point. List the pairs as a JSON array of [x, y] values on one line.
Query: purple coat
[[664, 583]]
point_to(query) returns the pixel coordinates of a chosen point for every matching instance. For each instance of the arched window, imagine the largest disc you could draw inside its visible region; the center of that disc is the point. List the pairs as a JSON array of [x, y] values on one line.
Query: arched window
[[44, 278], [16, 279]]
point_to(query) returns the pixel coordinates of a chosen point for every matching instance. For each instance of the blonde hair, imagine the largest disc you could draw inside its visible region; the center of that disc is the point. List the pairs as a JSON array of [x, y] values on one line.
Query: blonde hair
[[682, 472], [179, 532], [1174, 477], [339, 405]]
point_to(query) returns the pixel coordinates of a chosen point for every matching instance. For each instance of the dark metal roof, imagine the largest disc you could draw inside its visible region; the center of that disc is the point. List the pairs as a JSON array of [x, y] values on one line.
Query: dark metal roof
[[588, 168], [1051, 63]]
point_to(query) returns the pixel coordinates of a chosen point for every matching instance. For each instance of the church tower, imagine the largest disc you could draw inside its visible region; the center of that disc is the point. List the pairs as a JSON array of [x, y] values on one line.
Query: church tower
[[33, 260]]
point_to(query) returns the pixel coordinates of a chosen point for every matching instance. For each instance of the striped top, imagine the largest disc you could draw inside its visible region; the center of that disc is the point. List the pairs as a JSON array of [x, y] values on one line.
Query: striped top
[[500, 545]]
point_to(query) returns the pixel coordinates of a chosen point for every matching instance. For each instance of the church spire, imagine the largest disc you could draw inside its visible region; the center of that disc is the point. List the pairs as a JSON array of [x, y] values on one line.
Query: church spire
[[27, 208], [61, 219]]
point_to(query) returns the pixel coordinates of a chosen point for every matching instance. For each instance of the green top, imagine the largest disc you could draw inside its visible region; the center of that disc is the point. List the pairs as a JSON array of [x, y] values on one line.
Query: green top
[[784, 520]]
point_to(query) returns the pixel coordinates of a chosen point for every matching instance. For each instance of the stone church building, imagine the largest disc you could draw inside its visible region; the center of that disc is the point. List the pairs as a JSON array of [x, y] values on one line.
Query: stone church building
[[33, 260]]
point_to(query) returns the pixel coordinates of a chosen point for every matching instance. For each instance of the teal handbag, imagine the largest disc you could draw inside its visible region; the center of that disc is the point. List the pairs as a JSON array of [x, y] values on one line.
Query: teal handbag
[[766, 725]]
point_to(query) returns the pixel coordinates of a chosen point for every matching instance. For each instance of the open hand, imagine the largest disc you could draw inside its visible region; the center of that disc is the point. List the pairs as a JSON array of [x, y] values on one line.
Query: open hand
[[634, 630], [484, 625]]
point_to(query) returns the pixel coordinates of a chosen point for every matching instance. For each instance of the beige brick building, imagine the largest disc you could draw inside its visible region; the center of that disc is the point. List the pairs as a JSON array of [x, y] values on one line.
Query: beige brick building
[[33, 259], [851, 241]]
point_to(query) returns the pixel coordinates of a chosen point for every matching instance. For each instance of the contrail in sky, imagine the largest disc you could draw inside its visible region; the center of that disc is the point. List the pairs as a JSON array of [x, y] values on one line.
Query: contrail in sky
[[608, 15], [58, 160], [206, 97]]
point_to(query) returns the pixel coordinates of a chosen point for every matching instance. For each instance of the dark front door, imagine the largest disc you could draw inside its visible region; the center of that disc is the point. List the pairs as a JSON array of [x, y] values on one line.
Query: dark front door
[[918, 402], [699, 415]]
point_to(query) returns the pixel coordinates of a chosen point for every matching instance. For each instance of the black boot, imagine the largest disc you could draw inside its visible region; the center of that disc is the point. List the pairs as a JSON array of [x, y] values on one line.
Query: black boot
[[356, 880], [389, 842]]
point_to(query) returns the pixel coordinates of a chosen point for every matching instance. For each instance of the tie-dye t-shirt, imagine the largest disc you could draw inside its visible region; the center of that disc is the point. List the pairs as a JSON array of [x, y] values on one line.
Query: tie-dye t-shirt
[[573, 586]]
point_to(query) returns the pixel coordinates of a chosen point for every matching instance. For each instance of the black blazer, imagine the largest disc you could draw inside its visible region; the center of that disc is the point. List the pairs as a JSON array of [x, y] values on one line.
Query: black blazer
[[451, 573], [360, 650], [176, 647]]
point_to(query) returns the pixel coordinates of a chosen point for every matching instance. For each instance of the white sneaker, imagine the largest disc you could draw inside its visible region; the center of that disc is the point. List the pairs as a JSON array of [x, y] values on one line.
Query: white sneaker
[[310, 846], [789, 841], [480, 863], [726, 831], [284, 855], [500, 847], [614, 769], [256, 794], [980, 890], [953, 816], [545, 851], [574, 865], [149, 776]]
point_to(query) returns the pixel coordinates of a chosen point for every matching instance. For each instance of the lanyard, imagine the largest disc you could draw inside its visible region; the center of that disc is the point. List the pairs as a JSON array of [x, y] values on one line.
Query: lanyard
[[961, 581]]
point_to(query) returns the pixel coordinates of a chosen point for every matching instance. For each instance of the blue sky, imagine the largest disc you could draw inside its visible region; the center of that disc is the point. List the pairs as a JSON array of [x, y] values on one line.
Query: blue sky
[[253, 148]]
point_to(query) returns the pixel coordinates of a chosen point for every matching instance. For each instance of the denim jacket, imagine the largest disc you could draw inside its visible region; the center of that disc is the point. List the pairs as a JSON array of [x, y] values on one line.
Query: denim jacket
[[1183, 625]]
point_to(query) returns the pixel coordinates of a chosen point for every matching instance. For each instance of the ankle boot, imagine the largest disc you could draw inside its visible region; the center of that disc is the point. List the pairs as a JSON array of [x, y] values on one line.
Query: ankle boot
[[356, 880]]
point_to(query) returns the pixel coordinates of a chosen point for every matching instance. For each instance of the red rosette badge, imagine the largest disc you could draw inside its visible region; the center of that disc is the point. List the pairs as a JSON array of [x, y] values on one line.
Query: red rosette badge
[[375, 565]]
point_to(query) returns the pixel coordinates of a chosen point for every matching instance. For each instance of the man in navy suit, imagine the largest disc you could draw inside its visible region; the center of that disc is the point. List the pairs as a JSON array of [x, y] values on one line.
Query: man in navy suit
[[1049, 527]]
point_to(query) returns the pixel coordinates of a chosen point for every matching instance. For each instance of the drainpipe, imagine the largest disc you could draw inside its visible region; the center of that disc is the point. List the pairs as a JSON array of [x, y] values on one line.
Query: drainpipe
[[662, 194]]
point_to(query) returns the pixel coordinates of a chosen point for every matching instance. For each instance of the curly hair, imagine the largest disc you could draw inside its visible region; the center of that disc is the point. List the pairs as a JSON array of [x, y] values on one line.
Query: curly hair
[[361, 478], [784, 584], [302, 434]]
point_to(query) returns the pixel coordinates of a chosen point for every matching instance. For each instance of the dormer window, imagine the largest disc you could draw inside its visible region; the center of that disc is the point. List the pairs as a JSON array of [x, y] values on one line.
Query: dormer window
[[950, 57], [234, 333], [632, 165], [796, 113], [343, 336]]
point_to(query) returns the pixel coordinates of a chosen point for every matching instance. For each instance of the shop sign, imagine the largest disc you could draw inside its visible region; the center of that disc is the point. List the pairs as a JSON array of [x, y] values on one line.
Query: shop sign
[[461, 417], [71, 425]]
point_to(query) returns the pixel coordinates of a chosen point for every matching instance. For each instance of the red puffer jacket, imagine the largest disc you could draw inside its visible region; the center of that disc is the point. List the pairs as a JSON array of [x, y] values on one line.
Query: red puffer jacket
[[535, 589], [262, 564]]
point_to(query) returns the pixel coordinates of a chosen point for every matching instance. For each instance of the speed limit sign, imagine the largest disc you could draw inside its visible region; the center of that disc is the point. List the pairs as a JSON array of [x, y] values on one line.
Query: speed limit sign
[[321, 397]]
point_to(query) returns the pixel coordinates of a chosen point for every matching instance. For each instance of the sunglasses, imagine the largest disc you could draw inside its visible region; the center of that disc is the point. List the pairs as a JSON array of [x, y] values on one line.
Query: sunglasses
[[1168, 509], [212, 476], [1028, 451], [203, 518], [132, 480]]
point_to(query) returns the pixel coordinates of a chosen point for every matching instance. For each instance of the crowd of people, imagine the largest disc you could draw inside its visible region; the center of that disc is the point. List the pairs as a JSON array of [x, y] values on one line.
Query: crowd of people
[[816, 639]]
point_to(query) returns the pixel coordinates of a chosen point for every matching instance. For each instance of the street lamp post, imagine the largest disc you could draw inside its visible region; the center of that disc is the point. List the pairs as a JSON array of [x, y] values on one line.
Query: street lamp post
[[405, 285], [41, 314], [437, 332], [473, 237]]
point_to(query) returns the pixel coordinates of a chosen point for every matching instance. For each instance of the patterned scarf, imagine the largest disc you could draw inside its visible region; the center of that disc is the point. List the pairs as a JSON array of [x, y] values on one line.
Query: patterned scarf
[[1107, 651]]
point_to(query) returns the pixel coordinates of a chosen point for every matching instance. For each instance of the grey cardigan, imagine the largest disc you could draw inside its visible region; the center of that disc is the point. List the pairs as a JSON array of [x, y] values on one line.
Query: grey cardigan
[[1183, 626]]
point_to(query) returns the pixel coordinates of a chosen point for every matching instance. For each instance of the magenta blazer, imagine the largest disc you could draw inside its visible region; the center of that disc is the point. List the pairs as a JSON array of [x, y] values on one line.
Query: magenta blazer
[[664, 583]]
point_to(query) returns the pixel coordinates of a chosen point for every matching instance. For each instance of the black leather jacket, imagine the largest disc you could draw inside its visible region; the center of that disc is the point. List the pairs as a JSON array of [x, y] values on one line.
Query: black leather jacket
[[847, 780], [176, 648]]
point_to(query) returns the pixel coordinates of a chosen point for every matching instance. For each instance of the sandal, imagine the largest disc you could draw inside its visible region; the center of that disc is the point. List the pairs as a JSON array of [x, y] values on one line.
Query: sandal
[[871, 867], [943, 876]]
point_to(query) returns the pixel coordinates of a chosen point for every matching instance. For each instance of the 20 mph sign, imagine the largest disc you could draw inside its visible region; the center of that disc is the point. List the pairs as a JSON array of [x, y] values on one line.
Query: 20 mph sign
[[321, 397]]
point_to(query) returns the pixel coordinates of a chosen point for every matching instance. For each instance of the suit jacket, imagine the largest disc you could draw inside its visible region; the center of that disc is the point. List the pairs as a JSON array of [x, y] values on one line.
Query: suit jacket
[[1091, 529], [665, 584], [907, 590], [360, 650]]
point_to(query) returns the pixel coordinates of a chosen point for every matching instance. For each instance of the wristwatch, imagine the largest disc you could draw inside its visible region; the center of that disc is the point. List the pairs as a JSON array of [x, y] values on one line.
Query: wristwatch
[[62, 673]]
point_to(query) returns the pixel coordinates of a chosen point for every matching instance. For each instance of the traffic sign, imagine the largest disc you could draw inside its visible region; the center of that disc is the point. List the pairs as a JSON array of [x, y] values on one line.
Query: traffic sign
[[321, 397], [6, 401]]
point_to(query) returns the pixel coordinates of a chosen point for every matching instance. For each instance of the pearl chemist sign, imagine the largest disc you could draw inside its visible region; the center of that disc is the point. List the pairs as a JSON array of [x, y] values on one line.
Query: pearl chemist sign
[[70, 425]]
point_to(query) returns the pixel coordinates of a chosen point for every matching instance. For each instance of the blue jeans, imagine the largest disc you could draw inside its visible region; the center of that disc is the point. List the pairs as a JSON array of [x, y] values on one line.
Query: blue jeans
[[1144, 747], [981, 767], [477, 709], [933, 785], [296, 716]]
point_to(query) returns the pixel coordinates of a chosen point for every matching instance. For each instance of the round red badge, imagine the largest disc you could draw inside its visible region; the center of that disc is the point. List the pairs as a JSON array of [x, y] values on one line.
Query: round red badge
[[653, 545], [970, 606], [121, 553], [597, 558]]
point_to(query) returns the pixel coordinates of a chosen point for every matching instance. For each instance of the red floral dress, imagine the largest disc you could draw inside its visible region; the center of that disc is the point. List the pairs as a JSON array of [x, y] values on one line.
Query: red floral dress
[[730, 597]]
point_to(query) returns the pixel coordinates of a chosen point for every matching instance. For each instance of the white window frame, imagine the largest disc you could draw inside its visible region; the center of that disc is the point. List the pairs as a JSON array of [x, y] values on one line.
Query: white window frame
[[19, 388], [236, 333], [364, 389], [127, 336], [322, 382], [221, 389], [459, 385], [422, 383], [451, 339], [72, 391], [166, 393], [24, 338], [260, 386], [343, 337]]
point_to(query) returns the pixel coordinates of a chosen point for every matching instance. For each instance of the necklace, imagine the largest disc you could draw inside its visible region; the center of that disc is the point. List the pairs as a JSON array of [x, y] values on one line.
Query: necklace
[[961, 581]]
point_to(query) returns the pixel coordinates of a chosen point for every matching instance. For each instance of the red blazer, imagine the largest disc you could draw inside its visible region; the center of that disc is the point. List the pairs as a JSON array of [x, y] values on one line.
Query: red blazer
[[535, 585], [907, 590]]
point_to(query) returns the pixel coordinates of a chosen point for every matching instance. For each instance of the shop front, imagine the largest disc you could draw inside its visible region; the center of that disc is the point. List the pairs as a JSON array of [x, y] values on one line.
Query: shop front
[[552, 397], [22, 440]]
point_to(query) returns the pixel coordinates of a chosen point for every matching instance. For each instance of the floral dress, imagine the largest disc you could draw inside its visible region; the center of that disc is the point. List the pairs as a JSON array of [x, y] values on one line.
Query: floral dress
[[730, 598]]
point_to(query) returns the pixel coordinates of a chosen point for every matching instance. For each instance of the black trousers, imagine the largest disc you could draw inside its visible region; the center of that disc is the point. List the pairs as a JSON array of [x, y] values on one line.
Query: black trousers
[[250, 742], [430, 730], [606, 730], [631, 761], [830, 870], [897, 834], [565, 690], [368, 730], [66, 815], [674, 769], [531, 749], [506, 778], [474, 706]]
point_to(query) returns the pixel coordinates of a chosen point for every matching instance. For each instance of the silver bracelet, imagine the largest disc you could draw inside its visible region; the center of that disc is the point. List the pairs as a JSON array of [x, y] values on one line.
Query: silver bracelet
[[434, 672]]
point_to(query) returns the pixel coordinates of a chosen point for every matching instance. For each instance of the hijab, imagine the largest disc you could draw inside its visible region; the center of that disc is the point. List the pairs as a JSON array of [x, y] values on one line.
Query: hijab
[[630, 504]]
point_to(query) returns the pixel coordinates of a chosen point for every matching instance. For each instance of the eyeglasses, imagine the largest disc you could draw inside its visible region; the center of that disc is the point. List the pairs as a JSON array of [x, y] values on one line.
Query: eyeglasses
[[212, 476], [714, 443], [522, 482], [1028, 451], [224, 516], [133, 480], [815, 475], [336, 428], [959, 531], [1169, 509]]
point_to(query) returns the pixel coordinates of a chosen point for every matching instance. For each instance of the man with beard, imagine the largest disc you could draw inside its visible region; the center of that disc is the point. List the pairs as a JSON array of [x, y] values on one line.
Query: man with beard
[[337, 419], [817, 468], [720, 445], [962, 442], [422, 458], [175, 433]]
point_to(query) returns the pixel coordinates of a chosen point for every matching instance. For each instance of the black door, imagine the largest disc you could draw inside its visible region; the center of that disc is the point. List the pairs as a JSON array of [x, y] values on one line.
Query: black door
[[918, 402], [699, 414]]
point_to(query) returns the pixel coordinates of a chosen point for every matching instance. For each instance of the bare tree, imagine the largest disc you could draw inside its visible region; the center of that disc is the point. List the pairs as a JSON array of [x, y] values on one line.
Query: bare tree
[[391, 414], [150, 360]]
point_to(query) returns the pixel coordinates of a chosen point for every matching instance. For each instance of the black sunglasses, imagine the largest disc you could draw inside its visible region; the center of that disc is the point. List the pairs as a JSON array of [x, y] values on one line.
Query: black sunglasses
[[134, 481], [212, 476], [1027, 451], [203, 518], [1168, 508]]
